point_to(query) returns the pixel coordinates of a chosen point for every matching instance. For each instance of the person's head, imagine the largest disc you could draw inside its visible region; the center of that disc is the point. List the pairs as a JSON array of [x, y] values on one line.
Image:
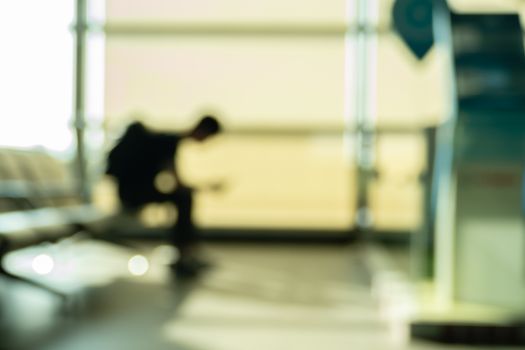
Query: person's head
[[206, 127]]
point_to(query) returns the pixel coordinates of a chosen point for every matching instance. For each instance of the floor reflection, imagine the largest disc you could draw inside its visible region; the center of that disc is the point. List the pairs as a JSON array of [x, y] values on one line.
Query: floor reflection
[[255, 296]]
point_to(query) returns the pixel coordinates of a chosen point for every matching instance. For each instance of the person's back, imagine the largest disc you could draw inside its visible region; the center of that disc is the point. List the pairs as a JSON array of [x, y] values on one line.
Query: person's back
[[137, 159]]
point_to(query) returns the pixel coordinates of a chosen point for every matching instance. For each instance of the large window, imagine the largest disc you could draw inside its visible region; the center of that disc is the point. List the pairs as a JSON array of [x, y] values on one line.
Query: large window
[[275, 72], [316, 97], [36, 74], [298, 85], [261, 82]]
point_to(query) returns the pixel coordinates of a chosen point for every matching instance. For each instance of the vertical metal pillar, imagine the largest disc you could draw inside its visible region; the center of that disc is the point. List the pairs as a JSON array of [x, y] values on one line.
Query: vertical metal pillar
[[79, 104], [365, 136]]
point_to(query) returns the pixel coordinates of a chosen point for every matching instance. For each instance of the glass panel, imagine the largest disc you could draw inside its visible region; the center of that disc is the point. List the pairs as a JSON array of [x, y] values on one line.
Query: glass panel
[[385, 13], [409, 92], [265, 82], [273, 181], [396, 195], [298, 182], [36, 73], [227, 11], [94, 83]]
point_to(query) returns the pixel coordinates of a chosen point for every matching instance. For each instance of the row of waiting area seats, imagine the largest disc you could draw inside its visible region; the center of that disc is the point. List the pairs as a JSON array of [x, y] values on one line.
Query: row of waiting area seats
[[39, 202]]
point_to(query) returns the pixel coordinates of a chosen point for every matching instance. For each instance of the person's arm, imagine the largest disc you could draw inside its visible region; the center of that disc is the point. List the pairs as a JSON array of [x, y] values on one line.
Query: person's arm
[[169, 146], [181, 184], [178, 180]]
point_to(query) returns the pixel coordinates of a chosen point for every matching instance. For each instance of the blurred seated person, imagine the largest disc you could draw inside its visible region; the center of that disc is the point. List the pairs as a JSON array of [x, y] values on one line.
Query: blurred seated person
[[136, 160]]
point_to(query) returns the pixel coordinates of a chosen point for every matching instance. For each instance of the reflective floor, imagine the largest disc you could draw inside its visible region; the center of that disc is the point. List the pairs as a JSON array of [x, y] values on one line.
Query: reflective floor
[[255, 296]]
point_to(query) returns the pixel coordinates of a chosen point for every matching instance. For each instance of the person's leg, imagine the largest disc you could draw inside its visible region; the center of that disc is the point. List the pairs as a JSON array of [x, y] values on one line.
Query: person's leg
[[183, 234]]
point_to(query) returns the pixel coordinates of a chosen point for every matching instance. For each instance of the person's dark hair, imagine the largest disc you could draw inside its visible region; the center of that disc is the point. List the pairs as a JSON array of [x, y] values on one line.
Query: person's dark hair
[[209, 124]]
